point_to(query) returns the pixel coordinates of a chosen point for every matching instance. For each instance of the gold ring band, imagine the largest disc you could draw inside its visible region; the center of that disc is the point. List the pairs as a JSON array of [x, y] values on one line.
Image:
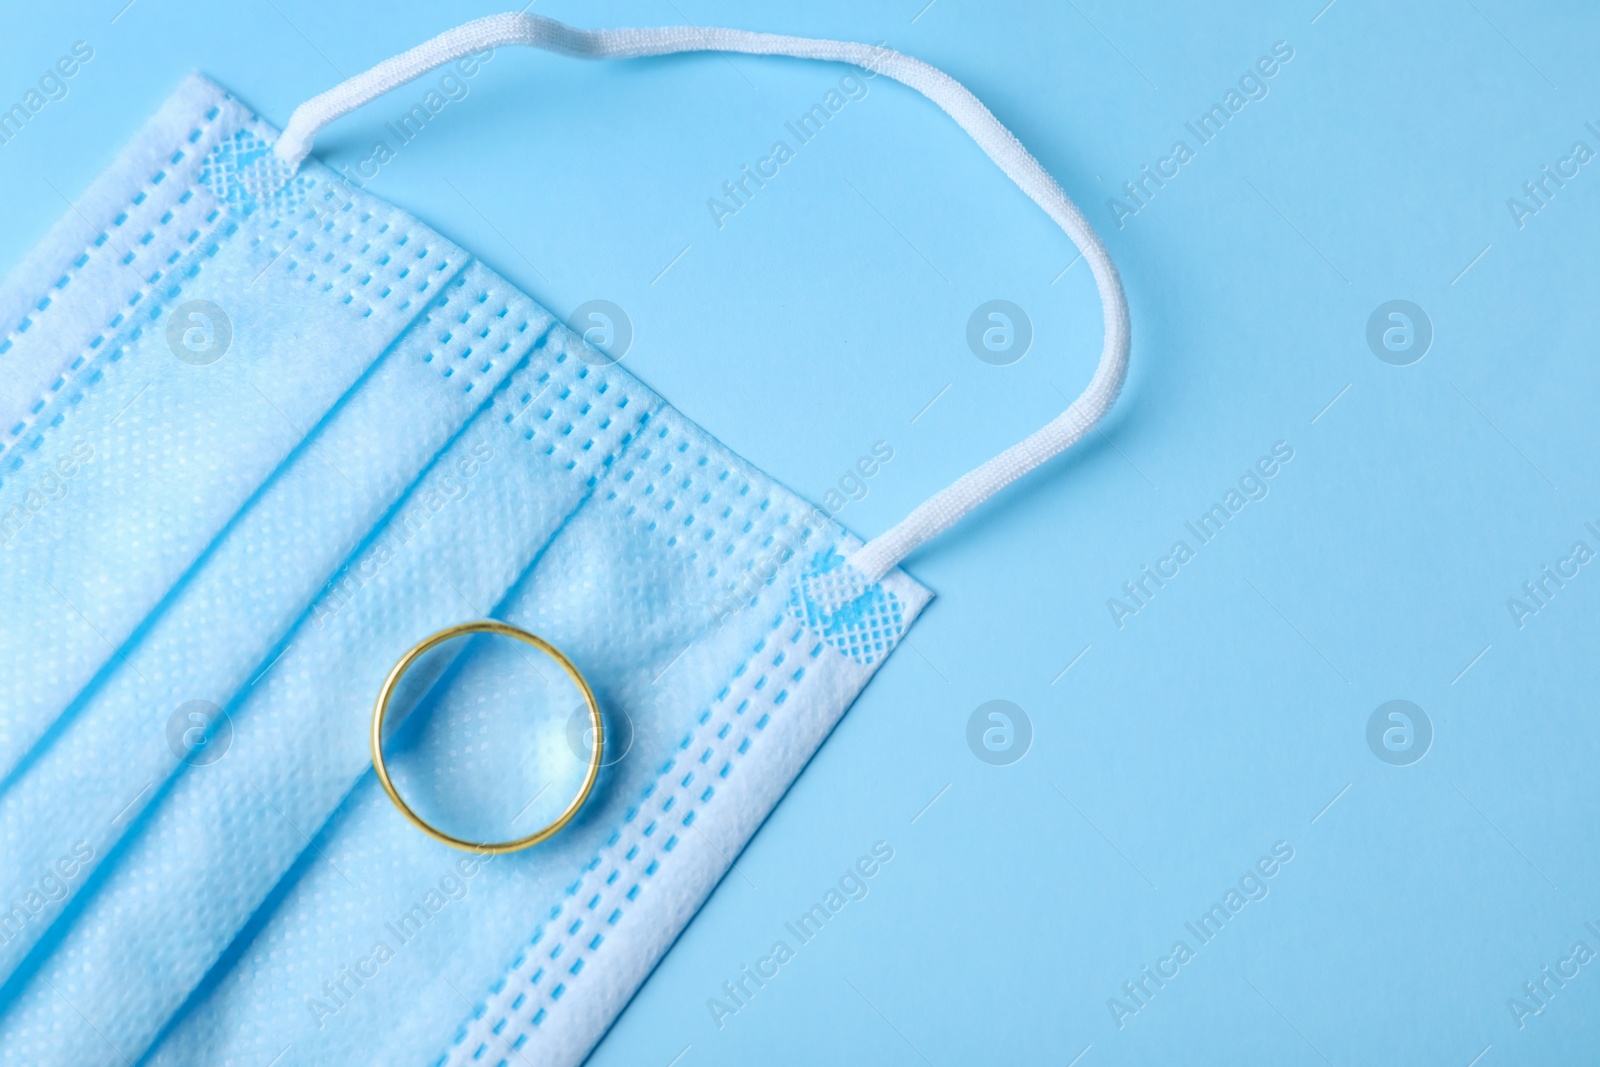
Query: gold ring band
[[381, 709]]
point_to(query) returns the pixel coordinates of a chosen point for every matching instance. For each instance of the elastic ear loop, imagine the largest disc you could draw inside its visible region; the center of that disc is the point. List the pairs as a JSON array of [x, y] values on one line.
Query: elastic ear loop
[[942, 510]]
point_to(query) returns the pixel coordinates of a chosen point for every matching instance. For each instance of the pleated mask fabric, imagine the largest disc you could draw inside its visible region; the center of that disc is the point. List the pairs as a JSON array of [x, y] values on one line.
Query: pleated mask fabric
[[261, 435]]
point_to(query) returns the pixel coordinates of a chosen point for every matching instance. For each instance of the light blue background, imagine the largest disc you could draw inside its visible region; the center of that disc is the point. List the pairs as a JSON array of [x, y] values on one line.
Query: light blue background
[[1226, 715]]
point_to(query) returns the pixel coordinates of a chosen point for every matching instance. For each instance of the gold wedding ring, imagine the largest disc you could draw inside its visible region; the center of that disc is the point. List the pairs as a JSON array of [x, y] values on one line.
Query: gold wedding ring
[[381, 709]]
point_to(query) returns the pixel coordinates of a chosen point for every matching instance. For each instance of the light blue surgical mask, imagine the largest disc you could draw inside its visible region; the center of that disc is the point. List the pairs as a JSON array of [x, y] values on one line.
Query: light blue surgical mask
[[261, 432]]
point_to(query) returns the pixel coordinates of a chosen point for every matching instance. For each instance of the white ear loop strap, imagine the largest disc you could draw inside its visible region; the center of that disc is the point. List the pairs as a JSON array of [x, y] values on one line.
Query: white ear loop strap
[[942, 510]]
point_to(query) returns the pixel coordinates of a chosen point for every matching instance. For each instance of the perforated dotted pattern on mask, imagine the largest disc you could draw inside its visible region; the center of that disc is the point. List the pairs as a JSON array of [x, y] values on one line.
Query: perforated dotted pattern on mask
[[155, 238], [569, 408], [681, 483], [373, 253], [576, 929], [480, 328]]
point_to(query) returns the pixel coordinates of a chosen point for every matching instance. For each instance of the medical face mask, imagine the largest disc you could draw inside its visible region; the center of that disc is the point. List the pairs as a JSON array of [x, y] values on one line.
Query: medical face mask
[[260, 432]]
